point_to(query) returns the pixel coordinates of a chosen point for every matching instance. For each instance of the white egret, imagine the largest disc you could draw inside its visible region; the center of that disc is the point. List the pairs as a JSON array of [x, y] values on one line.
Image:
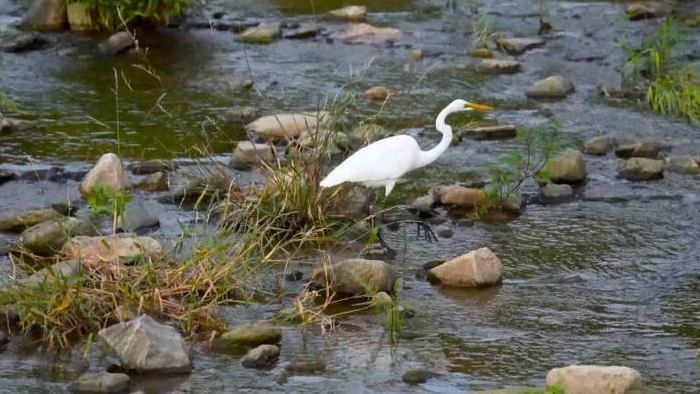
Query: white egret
[[383, 162]]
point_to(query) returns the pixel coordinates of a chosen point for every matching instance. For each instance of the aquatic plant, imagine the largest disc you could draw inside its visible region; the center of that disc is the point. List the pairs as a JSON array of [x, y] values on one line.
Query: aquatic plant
[[553, 389], [104, 200], [112, 14], [507, 177]]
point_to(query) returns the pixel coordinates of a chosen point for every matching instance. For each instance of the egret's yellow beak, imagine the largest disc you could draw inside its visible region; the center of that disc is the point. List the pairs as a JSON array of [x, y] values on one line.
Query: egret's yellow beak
[[478, 107]]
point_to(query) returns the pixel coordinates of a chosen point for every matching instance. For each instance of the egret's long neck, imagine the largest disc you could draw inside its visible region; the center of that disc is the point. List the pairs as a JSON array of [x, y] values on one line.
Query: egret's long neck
[[427, 157]]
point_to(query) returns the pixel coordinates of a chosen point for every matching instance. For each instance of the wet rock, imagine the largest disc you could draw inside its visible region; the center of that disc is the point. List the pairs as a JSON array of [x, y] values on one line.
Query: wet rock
[[567, 167], [208, 187], [117, 43], [350, 13], [146, 346], [355, 276], [80, 17], [379, 93], [418, 376], [381, 299], [366, 33], [553, 193], [24, 43], [478, 268], [647, 148], [498, 66], [600, 146], [518, 45], [498, 132], [137, 218], [247, 154], [238, 116], [238, 86], [353, 204], [483, 53], [101, 382], [108, 172], [552, 87], [646, 10], [265, 33], [23, 220], [306, 30], [423, 204], [126, 248], [641, 169], [152, 166], [46, 15], [9, 125], [47, 238], [444, 232], [460, 196], [253, 335], [64, 269], [6, 176], [288, 126], [681, 165], [584, 379], [156, 182], [263, 356]]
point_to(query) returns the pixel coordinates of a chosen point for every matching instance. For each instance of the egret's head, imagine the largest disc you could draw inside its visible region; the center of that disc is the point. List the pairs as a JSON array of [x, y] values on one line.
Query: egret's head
[[463, 105]]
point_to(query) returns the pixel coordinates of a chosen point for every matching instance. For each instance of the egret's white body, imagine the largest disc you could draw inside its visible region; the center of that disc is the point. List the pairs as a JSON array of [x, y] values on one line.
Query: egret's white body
[[383, 162]]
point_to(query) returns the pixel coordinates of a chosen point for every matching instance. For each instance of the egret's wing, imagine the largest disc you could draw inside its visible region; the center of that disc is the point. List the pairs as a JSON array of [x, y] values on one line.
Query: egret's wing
[[382, 160]]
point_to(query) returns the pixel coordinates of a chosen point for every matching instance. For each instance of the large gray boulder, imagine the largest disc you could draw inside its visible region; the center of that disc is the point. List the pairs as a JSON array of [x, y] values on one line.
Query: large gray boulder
[[588, 379], [146, 346], [567, 167], [356, 277], [23, 220], [107, 172], [263, 356], [478, 268], [116, 43], [101, 382], [641, 169], [46, 15], [47, 238], [137, 218]]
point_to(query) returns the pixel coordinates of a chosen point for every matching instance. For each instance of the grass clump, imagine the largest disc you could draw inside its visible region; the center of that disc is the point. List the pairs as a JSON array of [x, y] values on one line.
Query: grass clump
[[669, 89], [112, 14]]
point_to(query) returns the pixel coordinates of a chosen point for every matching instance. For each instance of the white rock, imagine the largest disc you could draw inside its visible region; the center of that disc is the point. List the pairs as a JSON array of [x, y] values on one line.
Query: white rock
[[589, 379], [288, 126], [248, 153], [363, 32], [108, 172], [350, 12], [478, 268]]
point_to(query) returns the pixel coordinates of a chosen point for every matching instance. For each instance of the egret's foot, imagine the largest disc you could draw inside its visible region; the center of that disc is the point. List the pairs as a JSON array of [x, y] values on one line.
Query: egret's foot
[[428, 233]]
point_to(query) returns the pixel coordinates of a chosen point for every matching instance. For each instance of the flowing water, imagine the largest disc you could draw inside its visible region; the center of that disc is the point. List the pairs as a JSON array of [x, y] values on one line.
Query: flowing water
[[612, 278]]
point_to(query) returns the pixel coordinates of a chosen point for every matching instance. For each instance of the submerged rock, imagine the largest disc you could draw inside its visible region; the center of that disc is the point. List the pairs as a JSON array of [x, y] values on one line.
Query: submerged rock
[[263, 356], [253, 335], [499, 66], [567, 167], [379, 93], [288, 126], [552, 87], [585, 379], [126, 248], [460, 196], [117, 43], [478, 268], [23, 220], [517, 45], [682, 165], [249, 154], [350, 12], [553, 193], [6, 176], [156, 182], [265, 33], [101, 382], [152, 166], [497, 132], [47, 238], [418, 376], [355, 276], [363, 32], [306, 30], [600, 146], [646, 148], [9, 125], [146, 346], [46, 15], [444, 232], [25, 42], [108, 172], [641, 169]]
